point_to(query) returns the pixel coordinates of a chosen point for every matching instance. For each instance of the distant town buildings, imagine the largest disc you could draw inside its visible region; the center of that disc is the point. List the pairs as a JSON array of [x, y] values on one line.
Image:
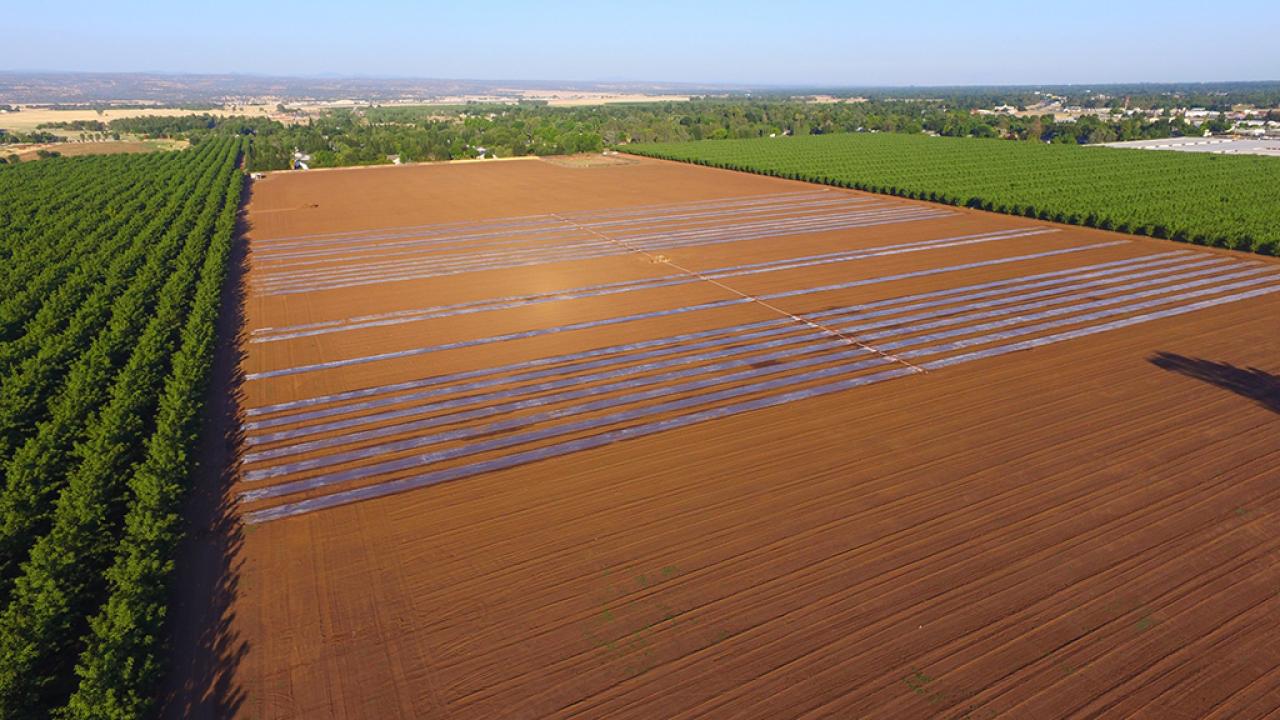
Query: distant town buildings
[[1243, 121]]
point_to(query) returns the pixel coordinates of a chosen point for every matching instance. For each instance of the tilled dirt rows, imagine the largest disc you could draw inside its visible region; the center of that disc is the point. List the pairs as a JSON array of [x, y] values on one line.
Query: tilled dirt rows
[[653, 440]]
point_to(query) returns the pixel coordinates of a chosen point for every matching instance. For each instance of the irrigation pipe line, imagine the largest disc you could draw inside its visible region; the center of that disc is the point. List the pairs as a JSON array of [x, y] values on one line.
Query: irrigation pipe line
[[663, 259]]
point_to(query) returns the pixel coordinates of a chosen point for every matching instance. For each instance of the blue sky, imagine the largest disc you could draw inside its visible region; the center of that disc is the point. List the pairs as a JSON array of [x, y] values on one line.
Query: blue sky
[[818, 42]]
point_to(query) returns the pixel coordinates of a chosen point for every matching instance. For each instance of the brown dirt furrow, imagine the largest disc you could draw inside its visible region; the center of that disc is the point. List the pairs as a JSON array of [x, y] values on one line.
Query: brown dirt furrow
[[1085, 529]]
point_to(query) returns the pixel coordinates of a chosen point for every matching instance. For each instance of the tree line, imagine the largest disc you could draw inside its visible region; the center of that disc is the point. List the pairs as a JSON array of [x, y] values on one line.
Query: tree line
[[375, 135], [82, 125]]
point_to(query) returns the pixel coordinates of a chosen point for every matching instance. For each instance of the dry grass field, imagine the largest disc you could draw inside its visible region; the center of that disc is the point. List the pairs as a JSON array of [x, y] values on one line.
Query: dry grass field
[[525, 440], [107, 147]]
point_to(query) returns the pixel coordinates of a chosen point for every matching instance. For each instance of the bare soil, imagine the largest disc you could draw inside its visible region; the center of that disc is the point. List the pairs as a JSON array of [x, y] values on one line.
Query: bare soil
[[590, 160], [1083, 529]]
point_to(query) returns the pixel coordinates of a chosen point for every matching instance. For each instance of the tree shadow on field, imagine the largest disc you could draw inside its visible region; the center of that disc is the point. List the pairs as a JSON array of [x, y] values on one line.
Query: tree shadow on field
[[204, 648], [1258, 385]]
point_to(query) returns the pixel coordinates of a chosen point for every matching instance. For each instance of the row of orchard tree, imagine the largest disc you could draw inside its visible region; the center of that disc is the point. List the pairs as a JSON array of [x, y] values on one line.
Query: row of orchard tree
[[112, 278], [1226, 201]]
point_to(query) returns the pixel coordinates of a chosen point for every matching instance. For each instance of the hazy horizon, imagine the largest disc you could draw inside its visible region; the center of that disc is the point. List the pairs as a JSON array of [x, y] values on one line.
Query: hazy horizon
[[534, 82]]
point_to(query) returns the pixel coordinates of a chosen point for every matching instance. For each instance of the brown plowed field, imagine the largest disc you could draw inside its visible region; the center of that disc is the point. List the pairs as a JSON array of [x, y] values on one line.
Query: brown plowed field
[[654, 441]]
